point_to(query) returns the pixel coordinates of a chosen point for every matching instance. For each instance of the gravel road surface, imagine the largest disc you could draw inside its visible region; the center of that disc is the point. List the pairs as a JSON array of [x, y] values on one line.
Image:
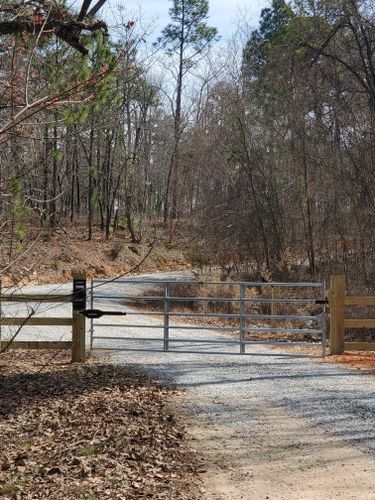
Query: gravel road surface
[[269, 424]]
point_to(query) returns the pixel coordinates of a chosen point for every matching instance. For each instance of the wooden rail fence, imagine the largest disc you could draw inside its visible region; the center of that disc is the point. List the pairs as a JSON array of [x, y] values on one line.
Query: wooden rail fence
[[338, 300], [76, 321]]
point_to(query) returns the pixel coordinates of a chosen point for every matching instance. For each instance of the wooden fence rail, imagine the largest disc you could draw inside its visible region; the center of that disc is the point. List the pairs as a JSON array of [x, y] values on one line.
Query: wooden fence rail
[[76, 321], [18, 297], [338, 300]]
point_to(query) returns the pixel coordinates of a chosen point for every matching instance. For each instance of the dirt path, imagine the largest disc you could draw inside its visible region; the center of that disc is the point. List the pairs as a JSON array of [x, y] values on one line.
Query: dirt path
[[275, 455]]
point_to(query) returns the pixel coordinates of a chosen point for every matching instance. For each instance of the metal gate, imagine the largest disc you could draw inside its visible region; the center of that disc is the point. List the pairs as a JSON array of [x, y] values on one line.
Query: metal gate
[[177, 316]]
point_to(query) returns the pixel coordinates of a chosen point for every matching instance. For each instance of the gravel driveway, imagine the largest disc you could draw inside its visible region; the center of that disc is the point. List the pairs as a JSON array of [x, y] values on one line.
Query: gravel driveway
[[269, 424]]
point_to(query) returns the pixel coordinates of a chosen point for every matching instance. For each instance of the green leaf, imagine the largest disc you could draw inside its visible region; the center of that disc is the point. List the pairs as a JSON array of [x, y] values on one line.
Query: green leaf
[[57, 154]]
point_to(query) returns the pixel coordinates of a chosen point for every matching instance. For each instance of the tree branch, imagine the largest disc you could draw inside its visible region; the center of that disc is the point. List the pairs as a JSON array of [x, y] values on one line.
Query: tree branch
[[84, 9], [64, 27], [96, 7]]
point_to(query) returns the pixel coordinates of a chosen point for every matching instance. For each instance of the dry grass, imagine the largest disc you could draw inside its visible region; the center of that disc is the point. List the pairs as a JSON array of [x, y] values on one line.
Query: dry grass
[[192, 292]]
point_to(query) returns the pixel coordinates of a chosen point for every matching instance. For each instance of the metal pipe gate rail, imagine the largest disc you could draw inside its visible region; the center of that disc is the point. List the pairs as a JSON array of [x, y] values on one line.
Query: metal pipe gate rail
[[316, 298]]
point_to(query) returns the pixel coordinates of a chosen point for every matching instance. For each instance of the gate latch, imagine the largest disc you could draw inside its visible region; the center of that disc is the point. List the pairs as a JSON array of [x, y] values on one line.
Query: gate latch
[[322, 301], [97, 313]]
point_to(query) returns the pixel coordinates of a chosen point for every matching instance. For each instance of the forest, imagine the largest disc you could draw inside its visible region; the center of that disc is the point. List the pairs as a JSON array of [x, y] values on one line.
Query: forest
[[263, 145]]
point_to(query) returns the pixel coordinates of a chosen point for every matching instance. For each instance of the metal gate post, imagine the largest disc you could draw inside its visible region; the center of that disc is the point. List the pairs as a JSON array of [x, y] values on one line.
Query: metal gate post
[[166, 316], [91, 307], [273, 306], [242, 320]]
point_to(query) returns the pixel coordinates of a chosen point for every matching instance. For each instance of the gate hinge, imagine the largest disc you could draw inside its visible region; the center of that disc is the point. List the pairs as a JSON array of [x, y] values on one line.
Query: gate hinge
[[322, 301]]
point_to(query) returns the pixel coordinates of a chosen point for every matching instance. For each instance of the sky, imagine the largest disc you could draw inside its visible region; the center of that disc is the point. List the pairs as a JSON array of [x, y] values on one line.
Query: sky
[[223, 14]]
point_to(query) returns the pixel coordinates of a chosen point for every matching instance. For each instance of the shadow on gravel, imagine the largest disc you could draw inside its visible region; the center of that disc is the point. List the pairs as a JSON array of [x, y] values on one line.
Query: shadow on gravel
[[229, 371], [270, 377], [276, 355]]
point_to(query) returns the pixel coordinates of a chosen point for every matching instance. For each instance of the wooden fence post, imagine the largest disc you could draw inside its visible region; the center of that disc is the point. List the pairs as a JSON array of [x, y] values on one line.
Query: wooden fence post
[[337, 313], [79, 320]]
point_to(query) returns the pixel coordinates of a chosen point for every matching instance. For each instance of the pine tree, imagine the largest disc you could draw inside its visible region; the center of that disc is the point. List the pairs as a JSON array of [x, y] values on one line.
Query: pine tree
[[187, 36]]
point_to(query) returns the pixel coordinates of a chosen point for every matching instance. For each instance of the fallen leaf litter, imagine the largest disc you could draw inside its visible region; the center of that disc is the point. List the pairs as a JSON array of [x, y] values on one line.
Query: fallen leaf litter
[[89, 431]]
